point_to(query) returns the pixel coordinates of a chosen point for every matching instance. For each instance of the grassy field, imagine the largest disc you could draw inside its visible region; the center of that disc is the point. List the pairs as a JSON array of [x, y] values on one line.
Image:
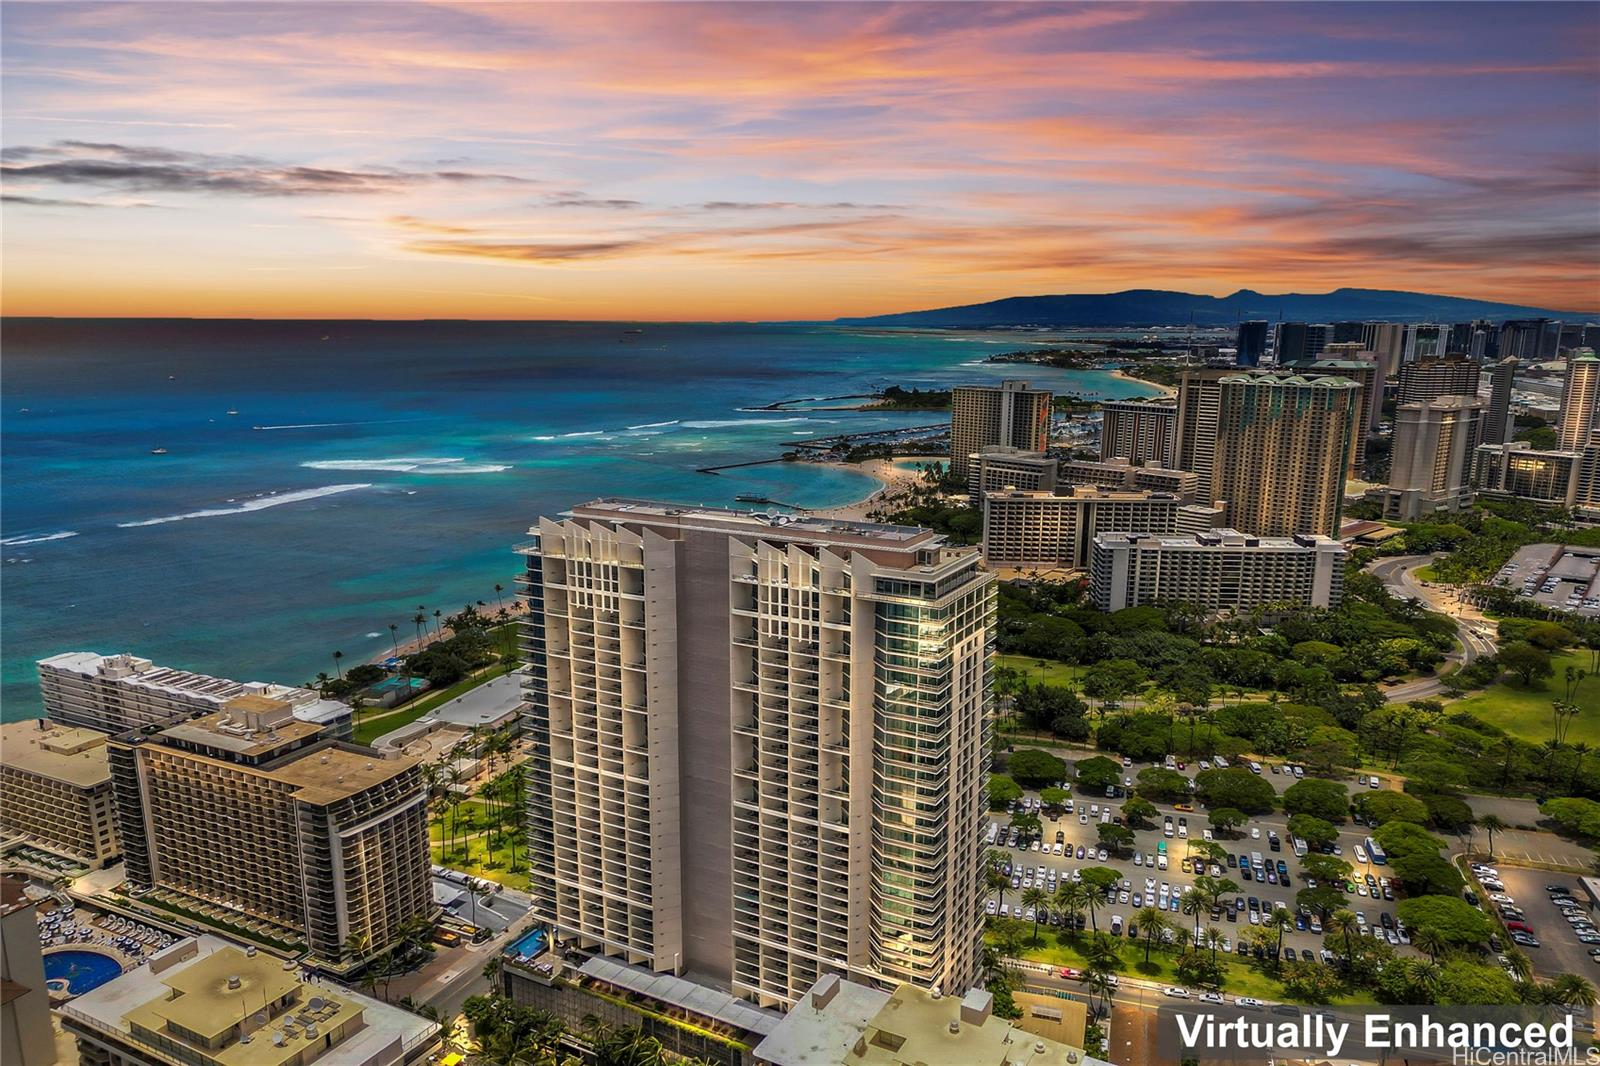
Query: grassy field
[[1054, 673], [1242, 979], [1525, 713], [374, 726]]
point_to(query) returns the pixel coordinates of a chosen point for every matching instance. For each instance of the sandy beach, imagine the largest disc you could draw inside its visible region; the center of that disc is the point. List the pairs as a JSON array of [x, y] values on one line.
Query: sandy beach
[[893, 481], [1166, 390], [514, 606]]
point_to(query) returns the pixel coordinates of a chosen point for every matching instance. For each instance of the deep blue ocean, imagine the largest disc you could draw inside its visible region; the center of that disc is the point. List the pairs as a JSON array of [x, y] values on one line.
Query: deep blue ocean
[[395, 464]]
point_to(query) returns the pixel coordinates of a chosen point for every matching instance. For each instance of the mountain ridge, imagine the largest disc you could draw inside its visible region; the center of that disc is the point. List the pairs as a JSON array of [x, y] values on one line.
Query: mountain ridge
[[1164, 307]]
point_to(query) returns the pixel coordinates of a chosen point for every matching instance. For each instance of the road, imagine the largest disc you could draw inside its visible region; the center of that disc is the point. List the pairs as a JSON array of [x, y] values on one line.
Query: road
[[1474, 632]]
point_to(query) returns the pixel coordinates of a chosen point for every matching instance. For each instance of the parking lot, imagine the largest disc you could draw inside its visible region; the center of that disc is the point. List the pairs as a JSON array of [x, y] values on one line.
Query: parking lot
[[1559, 949], [1081, 828]]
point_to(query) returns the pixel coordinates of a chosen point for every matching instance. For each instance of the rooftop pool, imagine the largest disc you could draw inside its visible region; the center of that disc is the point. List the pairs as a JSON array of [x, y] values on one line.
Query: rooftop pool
[[528, 945], [82, 970]]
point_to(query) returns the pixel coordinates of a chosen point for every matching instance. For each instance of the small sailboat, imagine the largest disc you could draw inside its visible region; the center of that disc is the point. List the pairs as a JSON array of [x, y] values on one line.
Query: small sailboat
[[231, 411], [158, 451]]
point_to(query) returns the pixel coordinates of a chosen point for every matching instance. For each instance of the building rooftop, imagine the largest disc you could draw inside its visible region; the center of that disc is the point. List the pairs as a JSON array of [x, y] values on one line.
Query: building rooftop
[[839, 1023], [67, 754], [622, 508], [229, 732], [188, 986], [330, 774]]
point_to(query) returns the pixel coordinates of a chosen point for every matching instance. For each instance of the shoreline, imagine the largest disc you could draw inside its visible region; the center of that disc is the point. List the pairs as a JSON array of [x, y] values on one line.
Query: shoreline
[[892, 480], [515, 607], [1161, 390]]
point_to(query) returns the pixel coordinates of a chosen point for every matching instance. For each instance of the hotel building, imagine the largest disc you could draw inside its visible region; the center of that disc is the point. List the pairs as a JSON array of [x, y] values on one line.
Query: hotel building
[[115, 693], [203, 1002], [1121, 474], [1499, 419], [759, 745], [1043, 531], [1370, 387], [981, 416], [252, 817], [55, 793], [1579, 400], [1435, 444], [1282, 448], [1518, 471], [1221, 569], [25, 1035], [1450, 375], [993, 469], [1143, 431]]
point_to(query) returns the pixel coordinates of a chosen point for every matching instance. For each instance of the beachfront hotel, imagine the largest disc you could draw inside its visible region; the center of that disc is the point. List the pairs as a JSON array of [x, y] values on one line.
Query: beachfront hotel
[[1046, 531], [1000, 467], [116, 693], [253, 818], [204, 1002], [1012, 415], [1141, 431], [55, 795], [758, 745], [1218, 570]]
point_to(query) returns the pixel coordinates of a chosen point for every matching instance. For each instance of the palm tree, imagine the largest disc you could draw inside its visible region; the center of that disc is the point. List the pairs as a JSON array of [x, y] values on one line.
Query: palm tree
[[1213, 940], [1508, 748], [1193, 904], [323, 680], [1153, 922], [497, 590], [1098, 981], [1579, 750], [1491, 824], [1520, 965], [994, 872], [1571, 990], [1284, 921], [1071, 898], [438, 627], [417, 620], [1036, 899], [1429, 939], [1345, 922], [336, 657]]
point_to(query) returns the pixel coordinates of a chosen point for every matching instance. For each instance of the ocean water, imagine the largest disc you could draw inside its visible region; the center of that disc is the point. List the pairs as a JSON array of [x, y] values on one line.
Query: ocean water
[[374, 467]]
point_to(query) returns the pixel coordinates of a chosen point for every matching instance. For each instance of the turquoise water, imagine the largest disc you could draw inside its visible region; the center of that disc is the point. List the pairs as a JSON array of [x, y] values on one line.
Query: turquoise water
[[83, 971], [373, 467], [528, 945]]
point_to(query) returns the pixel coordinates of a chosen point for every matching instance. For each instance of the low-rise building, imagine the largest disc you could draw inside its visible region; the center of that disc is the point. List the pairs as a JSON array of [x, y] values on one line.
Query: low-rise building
[[55, 792], [1219, 570], [254, 819], [115, 693], [841, 1023], [1045, 531], [1001, 467], [204, 1002], [1124, 474], [1518, 471]]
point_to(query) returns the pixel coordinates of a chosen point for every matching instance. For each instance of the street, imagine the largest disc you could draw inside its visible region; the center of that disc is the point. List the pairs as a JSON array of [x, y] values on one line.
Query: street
[[1475, 633]]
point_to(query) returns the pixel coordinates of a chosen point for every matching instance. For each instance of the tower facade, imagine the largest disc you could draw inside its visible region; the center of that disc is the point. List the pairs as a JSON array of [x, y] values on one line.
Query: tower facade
[[981, 416]]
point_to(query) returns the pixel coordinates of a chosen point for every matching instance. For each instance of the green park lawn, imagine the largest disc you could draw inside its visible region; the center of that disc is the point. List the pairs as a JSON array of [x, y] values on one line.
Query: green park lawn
[[1052, 673], [375, 725], [1242, 979], [1525, 713]]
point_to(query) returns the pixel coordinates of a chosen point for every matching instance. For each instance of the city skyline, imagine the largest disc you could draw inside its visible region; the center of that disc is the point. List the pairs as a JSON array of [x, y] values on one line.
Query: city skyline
[[782, 162]]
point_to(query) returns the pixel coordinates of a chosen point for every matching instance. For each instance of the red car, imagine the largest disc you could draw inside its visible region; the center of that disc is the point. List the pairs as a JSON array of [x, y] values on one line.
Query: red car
[[1520, 927], [1069, 974]]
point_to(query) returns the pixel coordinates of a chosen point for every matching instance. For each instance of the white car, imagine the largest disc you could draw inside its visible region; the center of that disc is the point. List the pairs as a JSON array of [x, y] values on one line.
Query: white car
[[1255, 833], [1247, 1001], [1175, 992], [1212, 997], [992, 908], [1103, 854], [1138, 858]]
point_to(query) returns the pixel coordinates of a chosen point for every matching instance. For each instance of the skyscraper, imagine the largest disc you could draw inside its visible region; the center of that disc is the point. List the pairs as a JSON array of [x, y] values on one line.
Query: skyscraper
[[1365, 375], [1423, 340], [982, 416], [1451, 375], [760, 745], [1530, 339], [1497, 421], [1196, 444], [1252, 342], [1298, 342], [1435, 443], [252, 813], [1138, 430], [1283, 445], [1579, 400], [1388, 340]]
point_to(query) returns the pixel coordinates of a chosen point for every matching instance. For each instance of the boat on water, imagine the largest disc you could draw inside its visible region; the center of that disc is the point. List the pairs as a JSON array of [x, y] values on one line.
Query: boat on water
[[158, 451], [633, 331], [232, 412], [751, 497]]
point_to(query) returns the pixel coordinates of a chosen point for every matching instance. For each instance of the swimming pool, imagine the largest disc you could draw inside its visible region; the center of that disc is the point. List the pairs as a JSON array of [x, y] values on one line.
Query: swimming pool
[[81, 970], [529, 945]]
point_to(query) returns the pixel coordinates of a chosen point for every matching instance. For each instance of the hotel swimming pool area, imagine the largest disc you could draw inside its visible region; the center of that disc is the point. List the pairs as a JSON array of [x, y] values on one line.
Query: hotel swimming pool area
[[528, 946], [75, 971]]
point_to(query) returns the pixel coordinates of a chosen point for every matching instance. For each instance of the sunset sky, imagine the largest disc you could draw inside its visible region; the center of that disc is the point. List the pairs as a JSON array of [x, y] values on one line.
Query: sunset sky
[[766, 161]]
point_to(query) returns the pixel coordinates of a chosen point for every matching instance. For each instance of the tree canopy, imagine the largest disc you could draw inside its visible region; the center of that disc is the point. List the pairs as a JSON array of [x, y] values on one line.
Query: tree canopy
[[1327, 800], [1032, 767], [1237, 787]]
